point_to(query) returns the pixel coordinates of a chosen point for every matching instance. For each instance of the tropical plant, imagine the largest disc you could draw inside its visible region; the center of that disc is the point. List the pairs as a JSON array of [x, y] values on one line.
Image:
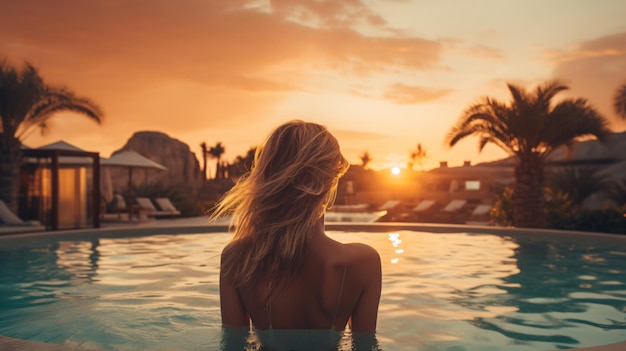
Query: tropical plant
[[579, 183], [417, 156], [502, 211], [216, 152], [529, 128], [242, 164], [619, 102], [366, 158], [27, 102], [616, 192]]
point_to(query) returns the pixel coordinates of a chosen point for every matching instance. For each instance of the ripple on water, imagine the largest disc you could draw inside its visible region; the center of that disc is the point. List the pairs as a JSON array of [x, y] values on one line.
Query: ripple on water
[[453, 292]]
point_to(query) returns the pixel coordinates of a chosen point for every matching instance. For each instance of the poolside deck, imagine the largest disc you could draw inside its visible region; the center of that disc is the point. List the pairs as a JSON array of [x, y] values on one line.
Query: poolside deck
[[119, 224]]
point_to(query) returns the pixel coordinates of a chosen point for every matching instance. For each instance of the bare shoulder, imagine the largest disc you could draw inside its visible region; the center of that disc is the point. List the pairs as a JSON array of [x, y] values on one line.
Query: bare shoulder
[[362, 250], [363, 255]]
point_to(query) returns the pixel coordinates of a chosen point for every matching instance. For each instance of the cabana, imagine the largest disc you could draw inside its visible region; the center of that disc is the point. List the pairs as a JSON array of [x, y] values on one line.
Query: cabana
[[60, 187]]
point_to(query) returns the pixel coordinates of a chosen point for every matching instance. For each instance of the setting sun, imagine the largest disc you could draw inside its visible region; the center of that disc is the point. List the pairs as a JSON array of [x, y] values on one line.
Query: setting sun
[[395, 170]]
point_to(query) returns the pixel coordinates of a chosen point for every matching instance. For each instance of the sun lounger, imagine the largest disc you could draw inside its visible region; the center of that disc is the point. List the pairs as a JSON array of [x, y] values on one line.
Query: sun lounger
[[166, 206], [481, 210], [424, 205], [480, 215], [454, 206], [453, 212], [423, 212], [147, 205], [389, 205], [10, 223]]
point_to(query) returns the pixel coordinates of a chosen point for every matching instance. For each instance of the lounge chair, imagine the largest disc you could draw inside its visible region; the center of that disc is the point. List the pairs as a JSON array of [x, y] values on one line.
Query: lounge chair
[[480, 215], [10, 223], [389, 205], [119, 205], [454, 206], [451, 212], [424, 206], [166, 206], [423, 212], [147, 205]]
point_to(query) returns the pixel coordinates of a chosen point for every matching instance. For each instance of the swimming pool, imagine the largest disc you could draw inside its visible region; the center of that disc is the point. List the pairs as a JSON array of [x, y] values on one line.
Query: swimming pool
[[457, 291]]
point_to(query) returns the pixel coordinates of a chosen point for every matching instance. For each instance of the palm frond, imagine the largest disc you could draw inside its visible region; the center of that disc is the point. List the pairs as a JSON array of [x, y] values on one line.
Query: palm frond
[[488, 117], [572, 119], [620, 101]]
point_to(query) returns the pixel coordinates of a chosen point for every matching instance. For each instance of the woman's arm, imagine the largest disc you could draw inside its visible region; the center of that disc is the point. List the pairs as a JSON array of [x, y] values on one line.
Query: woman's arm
[[233, 311], [366, 312]]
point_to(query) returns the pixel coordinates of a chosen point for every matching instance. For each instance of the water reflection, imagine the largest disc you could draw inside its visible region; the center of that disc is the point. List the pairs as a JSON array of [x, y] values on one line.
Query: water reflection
[[237, 339], [548, 295], [440, 292], [465, 291]]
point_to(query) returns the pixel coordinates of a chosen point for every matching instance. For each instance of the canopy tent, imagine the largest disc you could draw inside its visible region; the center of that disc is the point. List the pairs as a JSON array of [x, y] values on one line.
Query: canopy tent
[[60, 176]]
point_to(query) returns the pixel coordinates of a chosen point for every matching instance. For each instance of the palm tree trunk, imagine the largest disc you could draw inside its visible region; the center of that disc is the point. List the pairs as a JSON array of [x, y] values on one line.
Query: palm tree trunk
[[529, 200], [218, 169], [204, 157], [10, 161]]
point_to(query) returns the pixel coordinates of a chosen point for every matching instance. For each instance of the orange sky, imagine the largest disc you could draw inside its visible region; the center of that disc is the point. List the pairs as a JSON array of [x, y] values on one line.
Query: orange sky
[[383, 75]]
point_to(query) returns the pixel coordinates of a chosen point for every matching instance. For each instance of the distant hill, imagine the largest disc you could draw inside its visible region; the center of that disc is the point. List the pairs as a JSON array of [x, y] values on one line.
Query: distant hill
[[182, 165]]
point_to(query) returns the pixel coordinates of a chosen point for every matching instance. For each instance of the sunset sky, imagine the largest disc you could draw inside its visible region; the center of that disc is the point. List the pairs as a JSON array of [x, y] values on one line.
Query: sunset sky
[[383, 75]]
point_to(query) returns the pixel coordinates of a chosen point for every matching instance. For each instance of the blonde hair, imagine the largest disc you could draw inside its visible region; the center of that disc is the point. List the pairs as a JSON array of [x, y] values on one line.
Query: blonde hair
[[278, 204]]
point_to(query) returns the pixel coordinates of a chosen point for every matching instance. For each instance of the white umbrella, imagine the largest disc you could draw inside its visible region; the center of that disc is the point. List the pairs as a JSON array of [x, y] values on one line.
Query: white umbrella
[[130, 160]]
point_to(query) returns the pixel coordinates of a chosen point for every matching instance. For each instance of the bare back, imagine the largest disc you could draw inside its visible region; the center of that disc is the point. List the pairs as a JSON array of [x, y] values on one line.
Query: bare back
[[337, 282]]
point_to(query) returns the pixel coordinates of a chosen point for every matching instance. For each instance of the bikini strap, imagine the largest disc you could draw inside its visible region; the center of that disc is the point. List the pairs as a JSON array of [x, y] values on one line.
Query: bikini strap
[[343, 279]]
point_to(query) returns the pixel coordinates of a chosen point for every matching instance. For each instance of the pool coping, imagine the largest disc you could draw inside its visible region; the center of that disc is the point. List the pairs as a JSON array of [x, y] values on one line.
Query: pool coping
[[8, 343]]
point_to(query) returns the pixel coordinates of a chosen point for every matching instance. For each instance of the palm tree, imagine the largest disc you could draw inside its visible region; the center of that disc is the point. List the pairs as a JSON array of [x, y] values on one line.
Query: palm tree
[[620, 101], [203, 147], [27, 103], [366, 158], [217, 151], [529, 128], [417, 156], [242, 164]]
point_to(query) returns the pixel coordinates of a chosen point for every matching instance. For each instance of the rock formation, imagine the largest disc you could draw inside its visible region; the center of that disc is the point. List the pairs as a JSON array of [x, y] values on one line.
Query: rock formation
[[182, 166]]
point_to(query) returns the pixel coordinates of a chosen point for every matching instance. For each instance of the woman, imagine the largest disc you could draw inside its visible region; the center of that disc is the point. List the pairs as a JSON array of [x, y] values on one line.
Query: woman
[[280, 271]]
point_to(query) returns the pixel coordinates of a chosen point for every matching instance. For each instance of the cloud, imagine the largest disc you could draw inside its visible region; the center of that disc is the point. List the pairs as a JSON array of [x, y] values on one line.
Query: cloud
[[185, 66], [595, 69], [333, 14], [410, 94], [483, 51], [204, 41]]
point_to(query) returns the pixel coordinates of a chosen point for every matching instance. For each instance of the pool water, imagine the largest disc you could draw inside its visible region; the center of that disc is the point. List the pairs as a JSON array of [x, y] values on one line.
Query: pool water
[[453, 292]]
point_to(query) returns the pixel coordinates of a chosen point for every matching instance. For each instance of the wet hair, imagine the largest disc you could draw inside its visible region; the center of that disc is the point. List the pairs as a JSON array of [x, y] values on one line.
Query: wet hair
[[277, 206]]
